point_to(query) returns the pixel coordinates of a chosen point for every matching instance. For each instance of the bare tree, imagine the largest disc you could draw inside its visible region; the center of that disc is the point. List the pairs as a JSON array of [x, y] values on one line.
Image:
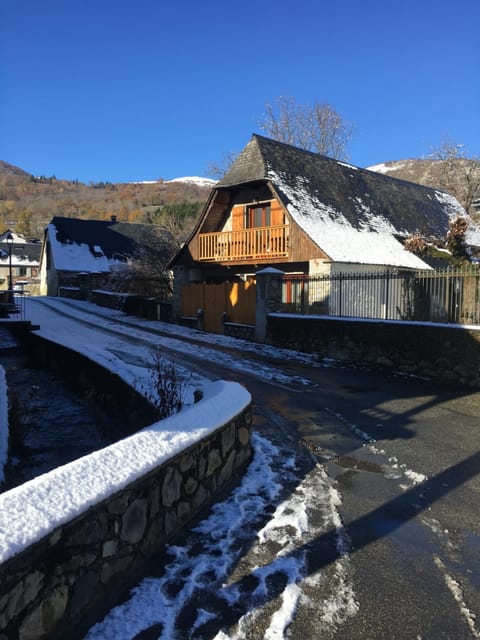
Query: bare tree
[[217, 170], [315, 127], [460, 173], [146, 272]]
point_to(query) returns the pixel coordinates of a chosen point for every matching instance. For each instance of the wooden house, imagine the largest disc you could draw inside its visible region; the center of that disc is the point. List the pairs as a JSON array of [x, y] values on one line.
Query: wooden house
[[304, 213]]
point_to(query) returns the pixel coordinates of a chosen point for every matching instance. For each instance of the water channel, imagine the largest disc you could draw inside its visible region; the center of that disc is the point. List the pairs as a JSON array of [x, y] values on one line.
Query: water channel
[[50, 422]]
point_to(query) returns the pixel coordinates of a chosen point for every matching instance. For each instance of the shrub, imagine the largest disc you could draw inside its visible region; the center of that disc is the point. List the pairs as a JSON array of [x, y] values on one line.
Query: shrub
[[167, 389]]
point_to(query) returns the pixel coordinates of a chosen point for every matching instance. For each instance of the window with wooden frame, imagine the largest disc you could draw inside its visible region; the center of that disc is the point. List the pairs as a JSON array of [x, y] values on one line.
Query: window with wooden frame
[[258, 215]]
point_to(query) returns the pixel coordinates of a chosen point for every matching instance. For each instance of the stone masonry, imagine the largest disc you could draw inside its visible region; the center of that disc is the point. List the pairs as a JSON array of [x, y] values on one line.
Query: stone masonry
[[61, 585]]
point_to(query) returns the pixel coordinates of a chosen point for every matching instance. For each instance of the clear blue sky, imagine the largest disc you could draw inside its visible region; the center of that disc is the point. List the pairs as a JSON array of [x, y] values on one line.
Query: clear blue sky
[[141, 89]]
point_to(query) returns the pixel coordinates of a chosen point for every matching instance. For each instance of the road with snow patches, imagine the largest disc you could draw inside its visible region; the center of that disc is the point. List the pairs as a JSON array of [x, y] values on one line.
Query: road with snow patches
[[357, 519]]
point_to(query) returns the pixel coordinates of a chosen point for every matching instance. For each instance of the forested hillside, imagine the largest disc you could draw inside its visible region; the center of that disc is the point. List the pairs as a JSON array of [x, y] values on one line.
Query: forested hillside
[[28, 203]]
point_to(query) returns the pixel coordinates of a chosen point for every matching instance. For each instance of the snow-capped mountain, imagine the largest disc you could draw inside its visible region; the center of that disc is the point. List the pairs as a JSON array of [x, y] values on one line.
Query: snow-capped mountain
[[201, 182]]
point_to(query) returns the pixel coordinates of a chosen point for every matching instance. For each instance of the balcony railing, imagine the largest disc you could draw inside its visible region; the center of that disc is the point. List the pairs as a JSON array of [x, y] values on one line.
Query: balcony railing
[[257, 243]]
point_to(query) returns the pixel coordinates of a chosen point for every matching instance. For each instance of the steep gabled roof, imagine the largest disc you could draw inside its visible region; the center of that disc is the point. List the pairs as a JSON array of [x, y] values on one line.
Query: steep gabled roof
[[354, 215], [94, 245]]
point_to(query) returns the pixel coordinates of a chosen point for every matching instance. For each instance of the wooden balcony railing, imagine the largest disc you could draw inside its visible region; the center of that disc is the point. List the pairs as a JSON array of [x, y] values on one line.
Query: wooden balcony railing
[[245, 244]]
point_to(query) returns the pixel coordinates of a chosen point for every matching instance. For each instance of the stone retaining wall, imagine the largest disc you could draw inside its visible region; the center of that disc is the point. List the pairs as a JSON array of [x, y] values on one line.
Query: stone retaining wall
[[446, 353], [62, 584], [241, 331]]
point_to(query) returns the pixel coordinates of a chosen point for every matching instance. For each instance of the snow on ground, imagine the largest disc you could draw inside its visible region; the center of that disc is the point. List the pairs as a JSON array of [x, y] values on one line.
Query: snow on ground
[[211, 576], [148, 334]]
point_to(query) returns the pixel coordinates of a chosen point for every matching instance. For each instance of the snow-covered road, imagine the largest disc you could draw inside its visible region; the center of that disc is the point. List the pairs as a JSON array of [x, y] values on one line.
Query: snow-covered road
[[348, 523]]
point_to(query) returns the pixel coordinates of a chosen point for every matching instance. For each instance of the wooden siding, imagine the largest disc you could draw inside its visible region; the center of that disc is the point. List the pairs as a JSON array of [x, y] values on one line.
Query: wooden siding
[[303, 248], [235, 299]]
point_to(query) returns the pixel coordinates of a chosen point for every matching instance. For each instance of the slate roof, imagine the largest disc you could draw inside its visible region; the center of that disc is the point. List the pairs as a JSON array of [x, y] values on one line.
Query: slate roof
[[95, 244], [354, 215]]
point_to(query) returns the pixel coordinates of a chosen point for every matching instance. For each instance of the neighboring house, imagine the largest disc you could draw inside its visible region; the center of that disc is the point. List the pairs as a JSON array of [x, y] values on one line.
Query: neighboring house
[[24, 263], [99, 248], [304, 213]]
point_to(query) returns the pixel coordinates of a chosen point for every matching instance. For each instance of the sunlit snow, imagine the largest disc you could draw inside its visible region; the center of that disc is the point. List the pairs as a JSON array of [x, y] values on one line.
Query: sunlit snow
[[329, 228]]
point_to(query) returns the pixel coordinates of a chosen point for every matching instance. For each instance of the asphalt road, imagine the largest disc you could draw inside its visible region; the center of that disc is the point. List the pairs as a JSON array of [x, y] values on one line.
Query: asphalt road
[[403, 455]]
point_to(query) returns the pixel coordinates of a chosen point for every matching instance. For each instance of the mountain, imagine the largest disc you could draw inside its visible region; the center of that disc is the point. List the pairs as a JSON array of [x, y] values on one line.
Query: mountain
[[28, 203], [10, 169], [201, 182]]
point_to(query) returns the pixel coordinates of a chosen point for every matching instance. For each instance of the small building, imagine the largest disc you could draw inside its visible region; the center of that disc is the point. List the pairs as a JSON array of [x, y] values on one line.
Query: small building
[[22, 258], [74, 248]]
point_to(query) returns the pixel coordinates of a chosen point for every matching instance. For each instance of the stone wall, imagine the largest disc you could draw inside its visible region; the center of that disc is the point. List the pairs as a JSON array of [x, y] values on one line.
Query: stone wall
[[440, 352], [241, 331], [63, 583]]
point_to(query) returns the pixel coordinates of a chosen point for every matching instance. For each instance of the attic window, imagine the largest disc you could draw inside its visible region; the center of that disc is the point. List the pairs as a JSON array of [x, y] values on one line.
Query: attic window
[[258, 215]]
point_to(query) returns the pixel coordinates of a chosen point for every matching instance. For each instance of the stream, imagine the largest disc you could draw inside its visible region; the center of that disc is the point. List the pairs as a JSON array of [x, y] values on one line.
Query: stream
[[50, 422]]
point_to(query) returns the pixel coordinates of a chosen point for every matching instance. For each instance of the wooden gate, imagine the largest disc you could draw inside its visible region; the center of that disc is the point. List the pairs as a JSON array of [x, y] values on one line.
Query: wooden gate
[[236, 299]]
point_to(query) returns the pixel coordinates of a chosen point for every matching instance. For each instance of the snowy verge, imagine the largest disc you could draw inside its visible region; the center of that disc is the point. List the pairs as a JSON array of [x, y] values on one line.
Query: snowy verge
[[35, 509], [417, 323], [3, 423]]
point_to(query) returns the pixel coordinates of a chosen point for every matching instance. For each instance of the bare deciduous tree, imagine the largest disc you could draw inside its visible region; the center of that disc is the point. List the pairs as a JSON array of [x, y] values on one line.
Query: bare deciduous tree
[[217, 170], [460, 173], [316, 127], [146, 272]]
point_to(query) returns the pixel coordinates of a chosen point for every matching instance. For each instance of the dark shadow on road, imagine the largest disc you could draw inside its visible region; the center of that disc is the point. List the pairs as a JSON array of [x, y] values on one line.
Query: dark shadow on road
[[364, 531]]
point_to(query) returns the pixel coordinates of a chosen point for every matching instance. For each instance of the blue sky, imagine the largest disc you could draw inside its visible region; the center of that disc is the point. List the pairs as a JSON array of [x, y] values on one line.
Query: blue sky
[[144, 89]]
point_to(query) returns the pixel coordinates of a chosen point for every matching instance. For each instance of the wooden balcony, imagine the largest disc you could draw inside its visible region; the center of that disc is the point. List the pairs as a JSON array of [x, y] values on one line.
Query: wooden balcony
[[258, 243]]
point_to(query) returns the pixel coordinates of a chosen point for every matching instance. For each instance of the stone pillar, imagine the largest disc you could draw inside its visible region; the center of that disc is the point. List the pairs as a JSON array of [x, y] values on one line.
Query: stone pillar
[[84, 285], [269, 298]]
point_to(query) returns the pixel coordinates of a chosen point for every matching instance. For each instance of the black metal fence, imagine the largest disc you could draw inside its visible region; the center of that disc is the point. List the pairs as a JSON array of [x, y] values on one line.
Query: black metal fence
[[440, 295]]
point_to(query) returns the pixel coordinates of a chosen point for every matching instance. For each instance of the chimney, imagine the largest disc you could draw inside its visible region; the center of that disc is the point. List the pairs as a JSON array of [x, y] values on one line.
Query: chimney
[[113, 218]]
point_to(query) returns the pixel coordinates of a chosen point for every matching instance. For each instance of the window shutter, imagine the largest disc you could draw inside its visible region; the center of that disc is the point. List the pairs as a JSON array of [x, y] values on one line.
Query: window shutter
[[278, 216], [238, 218]]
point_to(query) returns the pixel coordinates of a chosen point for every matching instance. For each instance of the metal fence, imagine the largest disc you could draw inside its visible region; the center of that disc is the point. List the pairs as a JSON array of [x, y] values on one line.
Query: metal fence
[[440, 295]]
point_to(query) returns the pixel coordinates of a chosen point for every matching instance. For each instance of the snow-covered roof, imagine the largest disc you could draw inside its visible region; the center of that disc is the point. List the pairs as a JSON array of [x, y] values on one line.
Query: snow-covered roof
[[98, 245], [373, 244], [17, 238], [352, 214], [24, 254]]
